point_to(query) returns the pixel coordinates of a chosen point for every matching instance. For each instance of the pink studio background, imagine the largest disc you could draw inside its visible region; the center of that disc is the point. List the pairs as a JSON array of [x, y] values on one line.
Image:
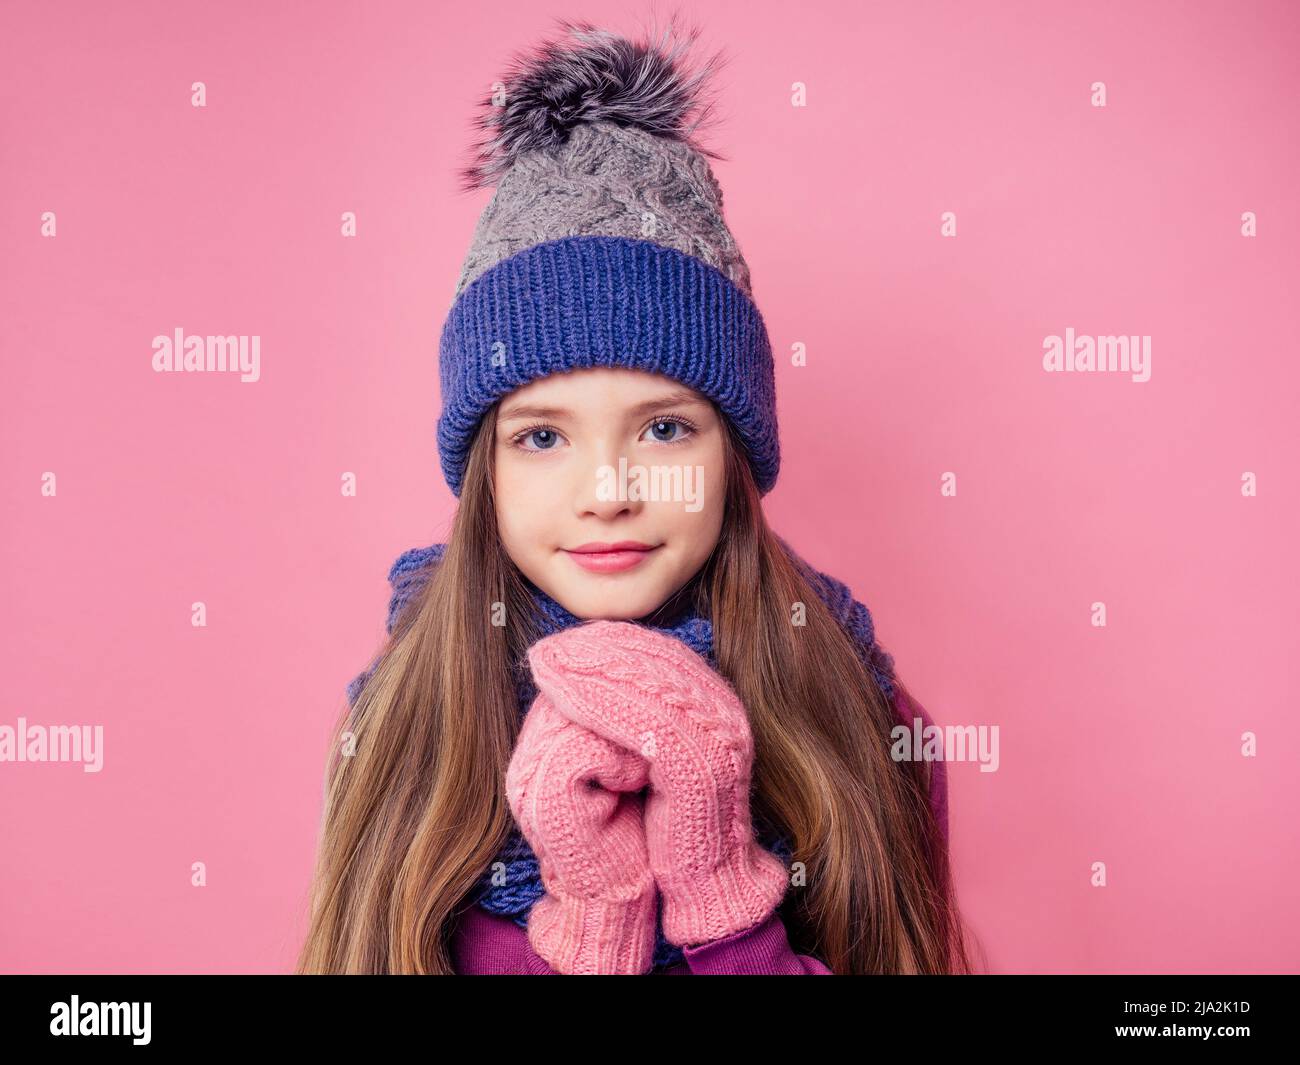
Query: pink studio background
[[1119, 744]]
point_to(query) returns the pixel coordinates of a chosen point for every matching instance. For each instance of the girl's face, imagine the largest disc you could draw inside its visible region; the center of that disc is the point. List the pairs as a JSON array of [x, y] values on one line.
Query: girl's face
[[561, 488]]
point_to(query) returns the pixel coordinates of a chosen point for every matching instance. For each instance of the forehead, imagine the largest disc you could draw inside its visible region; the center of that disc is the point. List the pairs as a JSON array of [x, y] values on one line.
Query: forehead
[[597, 392]]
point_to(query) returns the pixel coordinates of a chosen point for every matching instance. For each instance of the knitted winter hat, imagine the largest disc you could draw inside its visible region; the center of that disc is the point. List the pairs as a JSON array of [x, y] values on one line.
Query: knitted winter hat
[[604, 244]]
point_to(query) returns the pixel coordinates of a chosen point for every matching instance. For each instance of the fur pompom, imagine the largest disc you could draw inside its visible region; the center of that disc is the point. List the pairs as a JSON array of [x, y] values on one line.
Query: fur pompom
[[589, 75]]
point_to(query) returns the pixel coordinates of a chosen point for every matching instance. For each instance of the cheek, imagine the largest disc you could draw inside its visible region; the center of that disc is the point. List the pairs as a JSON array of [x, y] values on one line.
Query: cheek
[[701, 527], [522, 500]]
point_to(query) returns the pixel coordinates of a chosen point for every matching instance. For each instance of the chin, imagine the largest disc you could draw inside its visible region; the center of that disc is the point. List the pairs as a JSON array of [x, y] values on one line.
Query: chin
[[612, 604]]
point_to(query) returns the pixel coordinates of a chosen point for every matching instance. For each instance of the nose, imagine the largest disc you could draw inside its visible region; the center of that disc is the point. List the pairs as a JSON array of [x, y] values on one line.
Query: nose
[[602, 484]]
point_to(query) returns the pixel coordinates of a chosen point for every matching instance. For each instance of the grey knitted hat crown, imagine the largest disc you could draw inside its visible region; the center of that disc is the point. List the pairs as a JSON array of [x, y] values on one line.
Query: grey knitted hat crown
[[611, 180], [604, 244]]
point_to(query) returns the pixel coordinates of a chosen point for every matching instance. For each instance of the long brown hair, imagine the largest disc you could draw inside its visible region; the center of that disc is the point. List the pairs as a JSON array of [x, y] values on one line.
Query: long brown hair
[[415, 807]]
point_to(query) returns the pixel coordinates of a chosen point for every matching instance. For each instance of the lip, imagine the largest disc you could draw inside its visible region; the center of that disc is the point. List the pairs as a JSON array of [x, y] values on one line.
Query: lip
[[597, 557]]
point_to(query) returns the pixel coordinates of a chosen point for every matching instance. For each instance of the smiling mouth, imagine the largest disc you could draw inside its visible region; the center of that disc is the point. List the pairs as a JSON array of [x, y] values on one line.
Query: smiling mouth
[[610, 558]]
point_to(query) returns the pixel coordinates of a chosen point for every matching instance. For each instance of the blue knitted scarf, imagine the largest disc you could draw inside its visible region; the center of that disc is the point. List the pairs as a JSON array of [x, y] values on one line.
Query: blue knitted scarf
[[521, 885]]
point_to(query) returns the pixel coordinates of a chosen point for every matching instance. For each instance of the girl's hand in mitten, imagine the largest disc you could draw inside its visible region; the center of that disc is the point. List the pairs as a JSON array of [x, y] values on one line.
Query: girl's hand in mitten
[[573, 795], [650, 693]]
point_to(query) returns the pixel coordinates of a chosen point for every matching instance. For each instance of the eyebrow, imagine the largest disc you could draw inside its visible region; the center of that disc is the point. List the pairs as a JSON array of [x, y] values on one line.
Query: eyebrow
[[669, 399]]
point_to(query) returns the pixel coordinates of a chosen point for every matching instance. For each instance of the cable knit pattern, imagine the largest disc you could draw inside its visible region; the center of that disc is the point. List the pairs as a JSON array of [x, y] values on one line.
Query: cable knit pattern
[[608, 180], [522, 884], [647, 692], [573, 794]]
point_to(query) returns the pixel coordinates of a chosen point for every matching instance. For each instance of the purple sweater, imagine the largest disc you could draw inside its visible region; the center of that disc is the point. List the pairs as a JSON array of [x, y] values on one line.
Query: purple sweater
[[488, 944]]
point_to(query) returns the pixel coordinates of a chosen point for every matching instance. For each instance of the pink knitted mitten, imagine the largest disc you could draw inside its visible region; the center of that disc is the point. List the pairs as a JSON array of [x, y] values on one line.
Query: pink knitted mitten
[[572, 794], [650, 693]]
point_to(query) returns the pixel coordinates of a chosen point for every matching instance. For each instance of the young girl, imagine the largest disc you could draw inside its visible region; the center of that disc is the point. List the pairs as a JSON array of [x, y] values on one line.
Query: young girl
[[614, 730]]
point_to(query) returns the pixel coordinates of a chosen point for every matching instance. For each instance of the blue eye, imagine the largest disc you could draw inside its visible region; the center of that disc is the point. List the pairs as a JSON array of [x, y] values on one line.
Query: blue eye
[[544, 438], [660, 425]]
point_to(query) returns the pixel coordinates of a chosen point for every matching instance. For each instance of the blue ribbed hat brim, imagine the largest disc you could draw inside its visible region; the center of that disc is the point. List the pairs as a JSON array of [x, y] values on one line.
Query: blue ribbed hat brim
[[587, 301]]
